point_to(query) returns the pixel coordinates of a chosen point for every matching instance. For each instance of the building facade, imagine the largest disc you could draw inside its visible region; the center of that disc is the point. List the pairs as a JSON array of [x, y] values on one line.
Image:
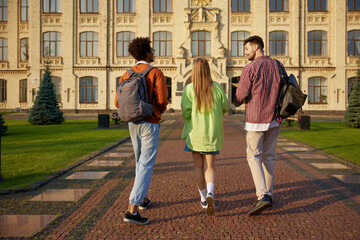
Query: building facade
[[85, 44]]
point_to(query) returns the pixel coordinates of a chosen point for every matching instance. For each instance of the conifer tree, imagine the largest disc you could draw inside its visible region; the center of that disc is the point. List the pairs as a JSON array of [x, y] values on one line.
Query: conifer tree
[[46, 109], [352, 114], [3, 126]]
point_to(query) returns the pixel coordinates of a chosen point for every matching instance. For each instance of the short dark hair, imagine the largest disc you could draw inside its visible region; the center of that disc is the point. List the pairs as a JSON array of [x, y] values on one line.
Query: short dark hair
[[255, 39], [139, 47]]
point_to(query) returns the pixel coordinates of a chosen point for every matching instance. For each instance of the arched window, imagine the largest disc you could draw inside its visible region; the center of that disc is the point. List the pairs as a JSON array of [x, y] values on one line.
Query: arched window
[[279, 5], [122, 43], [3, 49], [57, 87], [52, 6], [317, 90], [317, 43], [89, 6], [162, 5], [317, 5], [279, 43], [3, 10], [3, 90], [125, 6], [237, 43], [163, 44], [354, 43], [353, 5], [89, 44], [24, 49], [23, 91], [168, 84], [201, 43], [24, 10], [240, 5], [52, 44], [89, 89]]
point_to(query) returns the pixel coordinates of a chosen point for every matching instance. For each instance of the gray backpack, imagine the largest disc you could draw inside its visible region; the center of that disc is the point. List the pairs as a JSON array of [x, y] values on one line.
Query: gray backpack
[[132, 97]]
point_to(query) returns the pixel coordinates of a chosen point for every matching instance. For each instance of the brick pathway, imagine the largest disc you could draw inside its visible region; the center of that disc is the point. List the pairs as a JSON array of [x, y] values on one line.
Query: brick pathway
[[307, 203]]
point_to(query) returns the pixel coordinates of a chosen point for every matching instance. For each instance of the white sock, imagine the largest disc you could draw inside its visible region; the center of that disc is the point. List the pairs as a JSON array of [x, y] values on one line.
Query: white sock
[[203, 194], [210, 188]]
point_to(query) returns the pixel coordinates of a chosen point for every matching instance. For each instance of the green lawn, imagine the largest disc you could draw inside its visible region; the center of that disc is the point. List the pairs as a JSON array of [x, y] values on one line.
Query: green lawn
[[332, 137], [30, 153]]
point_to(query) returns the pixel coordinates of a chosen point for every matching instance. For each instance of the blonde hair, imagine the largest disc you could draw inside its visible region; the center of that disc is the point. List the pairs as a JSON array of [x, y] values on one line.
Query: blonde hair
[[203, 84]]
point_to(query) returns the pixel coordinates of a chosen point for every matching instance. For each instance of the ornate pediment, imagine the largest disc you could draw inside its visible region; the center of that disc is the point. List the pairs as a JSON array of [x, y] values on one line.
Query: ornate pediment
[[202, 14], [201, 3]]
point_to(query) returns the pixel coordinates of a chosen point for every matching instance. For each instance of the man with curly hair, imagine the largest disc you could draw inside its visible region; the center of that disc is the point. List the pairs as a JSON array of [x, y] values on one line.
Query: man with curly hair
[[145, 134]]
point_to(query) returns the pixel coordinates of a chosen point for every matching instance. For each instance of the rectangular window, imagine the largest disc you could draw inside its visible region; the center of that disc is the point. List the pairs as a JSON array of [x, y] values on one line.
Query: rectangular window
[[317, 5], [163, 44], [89, 44], [52, 44], [354, 5], [122, 43], [126, 6], [52, 6], [24, 10], [279, 5], [240, 5], [23, 91], [89, 6], [3, 49], [88, 89], [3, 93], [24, 49], [3, 10], [162, 5]]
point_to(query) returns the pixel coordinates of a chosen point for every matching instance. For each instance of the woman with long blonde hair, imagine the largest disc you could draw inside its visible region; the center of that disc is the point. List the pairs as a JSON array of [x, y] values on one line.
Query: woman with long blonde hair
[[203, 105]]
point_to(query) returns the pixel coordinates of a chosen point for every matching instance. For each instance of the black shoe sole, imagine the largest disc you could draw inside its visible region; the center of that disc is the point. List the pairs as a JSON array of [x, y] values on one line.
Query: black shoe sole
[[210, 210], [259, 209], [144, 208], [135, 222]]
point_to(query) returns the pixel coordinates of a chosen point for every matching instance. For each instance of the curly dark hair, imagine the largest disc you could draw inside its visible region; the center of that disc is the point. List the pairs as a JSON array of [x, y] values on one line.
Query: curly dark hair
[[139, 47]]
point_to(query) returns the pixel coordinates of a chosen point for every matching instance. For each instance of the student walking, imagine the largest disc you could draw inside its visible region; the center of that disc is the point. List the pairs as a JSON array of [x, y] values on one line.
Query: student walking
[[145, 134], [203, 105], [258, 87]]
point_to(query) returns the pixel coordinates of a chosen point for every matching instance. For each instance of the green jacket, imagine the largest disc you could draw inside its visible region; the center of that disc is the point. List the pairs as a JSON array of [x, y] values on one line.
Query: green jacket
[[204, 132]]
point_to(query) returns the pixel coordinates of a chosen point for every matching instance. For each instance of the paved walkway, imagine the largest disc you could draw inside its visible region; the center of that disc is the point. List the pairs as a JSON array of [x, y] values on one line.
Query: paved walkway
[[309, 202]]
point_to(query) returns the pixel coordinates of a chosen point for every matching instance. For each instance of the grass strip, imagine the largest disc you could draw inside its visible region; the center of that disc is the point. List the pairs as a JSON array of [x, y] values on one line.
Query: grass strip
[[332, 137], [29, 153]]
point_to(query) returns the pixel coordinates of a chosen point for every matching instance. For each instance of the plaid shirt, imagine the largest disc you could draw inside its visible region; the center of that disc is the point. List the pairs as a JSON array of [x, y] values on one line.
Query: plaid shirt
[[258, 87]]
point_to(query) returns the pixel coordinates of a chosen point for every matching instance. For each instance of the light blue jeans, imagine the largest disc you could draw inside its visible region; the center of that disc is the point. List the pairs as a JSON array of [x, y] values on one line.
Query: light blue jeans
[[145, 140]]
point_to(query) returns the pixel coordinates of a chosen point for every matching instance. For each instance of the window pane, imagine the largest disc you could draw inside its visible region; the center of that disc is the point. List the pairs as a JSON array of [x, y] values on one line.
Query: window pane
[[323, 49], [272, 5], [162, 5], [247, 5], [241, 48], [286, 48], [58, 49], [208, 48], [126, 47], [357, 5], [58, 5], [157, 48], [132, 5], [310, 5], [310, 48], [201, 49], [324, 5], [120, 5], [156, 5], [234, 5], [96, 6], [95, 36], [357, 48], [5, 54], [241, 5], [96, 49], [126, 6], [95, 91], [168, 49], [234, 50], [201, 35], [169, 5], [194, 47], [278, 5], [317, 48], [169, 36], [162, 35], [46, 5], [286, 5]]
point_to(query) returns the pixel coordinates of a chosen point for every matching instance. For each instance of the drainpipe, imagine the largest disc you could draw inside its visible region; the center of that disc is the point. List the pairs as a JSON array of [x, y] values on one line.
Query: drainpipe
[[108, 60]]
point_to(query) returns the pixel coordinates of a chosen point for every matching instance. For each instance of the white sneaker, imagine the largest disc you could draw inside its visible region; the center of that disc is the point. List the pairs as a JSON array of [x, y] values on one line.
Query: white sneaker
[[210, 208]]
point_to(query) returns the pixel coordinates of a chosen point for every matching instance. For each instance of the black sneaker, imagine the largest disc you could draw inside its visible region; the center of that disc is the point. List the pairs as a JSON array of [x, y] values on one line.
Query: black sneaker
[[136, 219], [145, 204], [203, 204], [260, 205], [210, 208]]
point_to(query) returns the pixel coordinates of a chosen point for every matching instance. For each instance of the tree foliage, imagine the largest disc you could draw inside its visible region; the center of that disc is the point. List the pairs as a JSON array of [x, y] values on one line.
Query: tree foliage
[[46, 109], [352, 114], [3, 126]]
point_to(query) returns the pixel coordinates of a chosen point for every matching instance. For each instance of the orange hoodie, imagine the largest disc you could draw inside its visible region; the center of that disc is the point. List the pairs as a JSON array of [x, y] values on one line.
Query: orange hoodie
[[157, 90]]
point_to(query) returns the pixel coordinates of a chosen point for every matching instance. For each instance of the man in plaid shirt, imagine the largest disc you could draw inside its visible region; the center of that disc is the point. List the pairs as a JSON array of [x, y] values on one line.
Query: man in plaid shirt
[[258, 87]]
